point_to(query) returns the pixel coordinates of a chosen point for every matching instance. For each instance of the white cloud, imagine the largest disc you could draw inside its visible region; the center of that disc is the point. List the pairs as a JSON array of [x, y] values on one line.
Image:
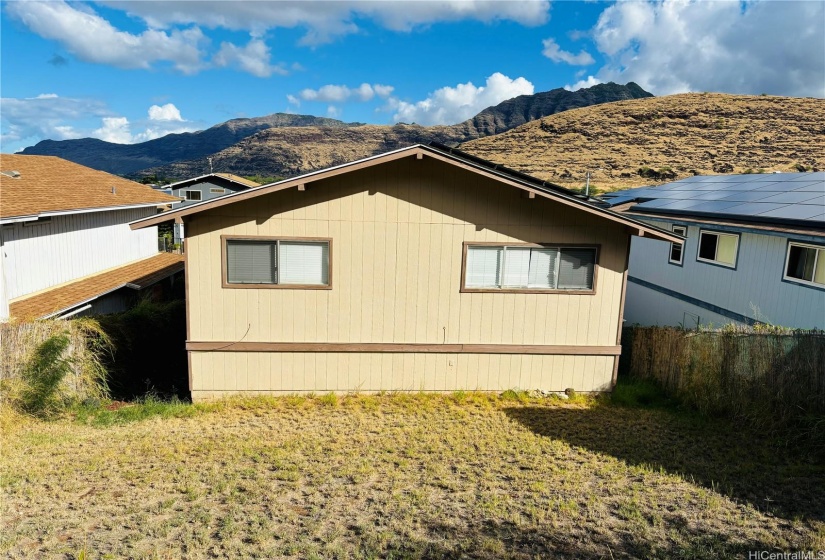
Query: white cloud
[[671, 46], [333, 112], [293, 100], [450, 105], [339, 93], [556, 54], [586, 83], [254, 58], [28, 120], [114, 129], [93, 39], [326, 21], [166, 112]]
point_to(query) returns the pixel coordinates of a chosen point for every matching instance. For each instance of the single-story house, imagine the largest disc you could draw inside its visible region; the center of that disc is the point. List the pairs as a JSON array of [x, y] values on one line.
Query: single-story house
[[423, 268], [755, 251], [66, 247]]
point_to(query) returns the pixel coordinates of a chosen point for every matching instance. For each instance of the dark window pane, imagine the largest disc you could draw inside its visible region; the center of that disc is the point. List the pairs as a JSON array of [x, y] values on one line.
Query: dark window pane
[[675, 252], [801, 262], [707, 246], [576, 269]]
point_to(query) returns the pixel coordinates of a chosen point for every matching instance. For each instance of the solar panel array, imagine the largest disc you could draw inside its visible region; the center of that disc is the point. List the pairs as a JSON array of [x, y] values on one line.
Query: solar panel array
[[797, 198]]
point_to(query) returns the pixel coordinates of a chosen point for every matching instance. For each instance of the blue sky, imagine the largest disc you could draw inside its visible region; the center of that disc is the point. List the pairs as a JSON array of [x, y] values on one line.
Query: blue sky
[[129, 71]]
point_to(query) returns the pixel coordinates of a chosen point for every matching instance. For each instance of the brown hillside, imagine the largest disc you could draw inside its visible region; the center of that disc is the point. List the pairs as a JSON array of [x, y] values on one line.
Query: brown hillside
[[673, 137]]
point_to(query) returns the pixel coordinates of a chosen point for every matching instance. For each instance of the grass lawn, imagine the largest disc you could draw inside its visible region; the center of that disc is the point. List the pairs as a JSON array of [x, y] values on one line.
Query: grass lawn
[[401, 476]]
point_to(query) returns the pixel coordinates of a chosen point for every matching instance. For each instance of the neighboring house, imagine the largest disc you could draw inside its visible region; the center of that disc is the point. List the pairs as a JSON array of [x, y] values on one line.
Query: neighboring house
[[418, 269], [755, 251], [66, 245], [203, 188]]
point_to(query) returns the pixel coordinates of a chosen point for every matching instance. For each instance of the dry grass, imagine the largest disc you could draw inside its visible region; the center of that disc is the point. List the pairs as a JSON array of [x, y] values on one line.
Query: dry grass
[[404, 476], [704, 133]]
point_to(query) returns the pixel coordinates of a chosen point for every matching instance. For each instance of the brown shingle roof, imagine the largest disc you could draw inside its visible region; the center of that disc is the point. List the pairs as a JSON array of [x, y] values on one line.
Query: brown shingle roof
[[51, 184], [136, 275]]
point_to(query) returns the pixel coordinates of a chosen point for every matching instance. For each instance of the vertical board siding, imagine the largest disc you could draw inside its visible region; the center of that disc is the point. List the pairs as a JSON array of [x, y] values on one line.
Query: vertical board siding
[[398, 232], [36, 257], [222, 373], [754, 289]]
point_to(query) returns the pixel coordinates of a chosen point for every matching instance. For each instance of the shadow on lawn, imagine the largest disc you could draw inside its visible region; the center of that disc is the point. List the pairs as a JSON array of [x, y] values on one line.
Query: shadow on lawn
[[720, 456], [494, 540]]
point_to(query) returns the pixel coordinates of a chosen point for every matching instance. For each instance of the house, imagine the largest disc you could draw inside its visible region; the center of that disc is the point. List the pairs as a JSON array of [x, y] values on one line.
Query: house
[[755, 251], [66, 245], [205, 187], [422, 268]]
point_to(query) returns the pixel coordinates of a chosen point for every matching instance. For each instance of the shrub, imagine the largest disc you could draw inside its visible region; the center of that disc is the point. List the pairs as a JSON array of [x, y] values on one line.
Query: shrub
[[42, 376]]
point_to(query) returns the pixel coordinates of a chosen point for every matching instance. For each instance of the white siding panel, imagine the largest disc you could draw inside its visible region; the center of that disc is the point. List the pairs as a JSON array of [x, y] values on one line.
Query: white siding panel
[[754, 289], [37, 257]]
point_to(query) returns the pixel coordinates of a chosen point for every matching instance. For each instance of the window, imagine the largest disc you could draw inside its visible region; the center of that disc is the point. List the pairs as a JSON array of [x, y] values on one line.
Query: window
[[805, 264], [269, 262], [675, 256], [718, 248], [529, 267], [192, 195], [213, 190]]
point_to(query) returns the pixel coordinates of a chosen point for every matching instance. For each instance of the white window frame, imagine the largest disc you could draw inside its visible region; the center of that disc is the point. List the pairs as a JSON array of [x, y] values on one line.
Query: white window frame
[[187, 193], [225, 283], [802, 281], [529, 290], [683, 233], [712, 261]]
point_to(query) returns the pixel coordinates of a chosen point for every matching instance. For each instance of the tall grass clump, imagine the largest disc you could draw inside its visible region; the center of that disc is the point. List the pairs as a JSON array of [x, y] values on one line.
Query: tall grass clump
[[45, 365], [770, 377]]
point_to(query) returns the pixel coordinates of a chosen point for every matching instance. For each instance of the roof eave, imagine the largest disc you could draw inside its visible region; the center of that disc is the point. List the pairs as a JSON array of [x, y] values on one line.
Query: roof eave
[[419, 151]]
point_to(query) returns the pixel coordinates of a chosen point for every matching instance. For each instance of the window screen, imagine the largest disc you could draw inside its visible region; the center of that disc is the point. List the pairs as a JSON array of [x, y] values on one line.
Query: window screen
[[676, 248], [540, 268], [287, 262]]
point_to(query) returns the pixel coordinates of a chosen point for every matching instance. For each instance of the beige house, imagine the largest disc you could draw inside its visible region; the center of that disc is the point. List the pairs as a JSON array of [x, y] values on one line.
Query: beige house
[[419, 269]]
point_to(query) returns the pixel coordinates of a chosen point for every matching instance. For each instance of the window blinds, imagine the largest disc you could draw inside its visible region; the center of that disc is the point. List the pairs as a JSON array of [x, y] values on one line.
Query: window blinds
[[548, 268], [304, 262], [251, 262], [277, 262]]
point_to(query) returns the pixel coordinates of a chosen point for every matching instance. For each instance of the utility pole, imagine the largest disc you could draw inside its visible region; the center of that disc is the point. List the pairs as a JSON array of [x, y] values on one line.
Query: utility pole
[[210, 164], [587, 186]]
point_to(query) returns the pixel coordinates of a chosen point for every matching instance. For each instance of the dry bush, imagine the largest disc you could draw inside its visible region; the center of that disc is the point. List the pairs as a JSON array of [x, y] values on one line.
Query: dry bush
[[87, 343]]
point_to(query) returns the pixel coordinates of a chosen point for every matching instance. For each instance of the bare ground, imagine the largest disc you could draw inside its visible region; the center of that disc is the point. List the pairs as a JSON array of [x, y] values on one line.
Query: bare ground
[[402, 476]]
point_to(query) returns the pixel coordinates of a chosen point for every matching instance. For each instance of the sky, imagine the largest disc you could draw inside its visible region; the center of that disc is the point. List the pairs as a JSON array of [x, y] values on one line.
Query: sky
[[131, 71]]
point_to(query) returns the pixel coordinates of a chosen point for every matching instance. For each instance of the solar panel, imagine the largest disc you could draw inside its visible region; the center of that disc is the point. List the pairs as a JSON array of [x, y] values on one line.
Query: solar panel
[[748, 196], [791, 197], [753, 208], [712, 195], [714, 206], [815, 187], [794, 212], [670, 204]]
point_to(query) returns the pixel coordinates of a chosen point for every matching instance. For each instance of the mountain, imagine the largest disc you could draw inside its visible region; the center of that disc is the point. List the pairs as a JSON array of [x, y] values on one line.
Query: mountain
[[184, 155], [648, 141], [125, 159]]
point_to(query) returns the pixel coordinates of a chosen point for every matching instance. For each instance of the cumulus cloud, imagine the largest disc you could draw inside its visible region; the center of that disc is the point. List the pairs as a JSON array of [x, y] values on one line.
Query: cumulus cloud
[[671, 46], [450, 105], [49, 116], [339, 93], [326, 21], [556, 54], [91, 38], [253, 58]]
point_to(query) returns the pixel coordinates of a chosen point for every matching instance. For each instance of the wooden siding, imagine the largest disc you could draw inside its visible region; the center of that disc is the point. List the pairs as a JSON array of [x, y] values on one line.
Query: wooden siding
[[36, 257], [754, 289], [399, 231]]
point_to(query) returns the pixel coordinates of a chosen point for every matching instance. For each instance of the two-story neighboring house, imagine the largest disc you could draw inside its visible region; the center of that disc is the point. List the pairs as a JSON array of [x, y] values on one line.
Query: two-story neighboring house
[[65, 242], [205, 187], [755, 251]]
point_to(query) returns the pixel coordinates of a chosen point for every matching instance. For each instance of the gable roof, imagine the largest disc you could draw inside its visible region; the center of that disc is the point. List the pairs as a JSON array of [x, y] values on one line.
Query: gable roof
[[533, 185], [226, 176], [32, 186], [783, 199]]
